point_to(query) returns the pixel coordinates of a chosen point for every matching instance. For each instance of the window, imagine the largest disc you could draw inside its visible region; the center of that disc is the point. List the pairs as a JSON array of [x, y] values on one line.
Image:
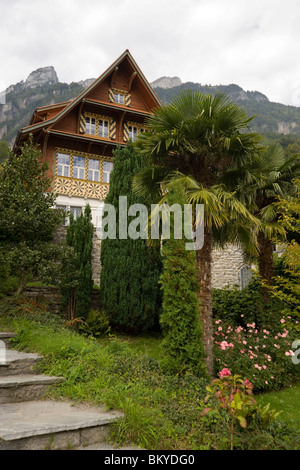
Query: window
[[107, 169], [63, 164], [133, 132], [90, 126], [103, 128], [76, 211], [94, 170], [245, 276], [118, 98], [78, 167], [84, 167]]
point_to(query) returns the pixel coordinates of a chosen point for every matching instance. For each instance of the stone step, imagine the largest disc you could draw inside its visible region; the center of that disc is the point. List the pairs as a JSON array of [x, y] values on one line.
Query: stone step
[[43, 425], [6, 337], [14, 362], [26, 387]]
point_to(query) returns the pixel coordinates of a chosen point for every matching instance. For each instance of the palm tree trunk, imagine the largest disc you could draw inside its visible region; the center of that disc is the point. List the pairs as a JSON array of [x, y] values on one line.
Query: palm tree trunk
[[204, 264], [265, 260]]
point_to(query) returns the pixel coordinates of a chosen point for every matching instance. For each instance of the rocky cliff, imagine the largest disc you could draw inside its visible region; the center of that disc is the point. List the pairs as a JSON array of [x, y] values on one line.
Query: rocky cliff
[[18, 101], [166, 82]]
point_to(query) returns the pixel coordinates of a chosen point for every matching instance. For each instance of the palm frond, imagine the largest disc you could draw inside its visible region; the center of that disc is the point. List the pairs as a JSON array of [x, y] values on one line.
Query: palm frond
[[148, 183]]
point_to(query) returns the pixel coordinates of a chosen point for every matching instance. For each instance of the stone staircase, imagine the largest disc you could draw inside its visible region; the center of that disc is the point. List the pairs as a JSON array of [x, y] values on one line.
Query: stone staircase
[[28, 421]]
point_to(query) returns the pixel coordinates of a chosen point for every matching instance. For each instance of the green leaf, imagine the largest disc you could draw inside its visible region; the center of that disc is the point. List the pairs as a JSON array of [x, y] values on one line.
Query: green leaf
[[242, 421]]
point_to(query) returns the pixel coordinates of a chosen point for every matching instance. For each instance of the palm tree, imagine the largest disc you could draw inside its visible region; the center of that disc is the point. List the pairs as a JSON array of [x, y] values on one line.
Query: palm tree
[[195, 141], [272, 177]]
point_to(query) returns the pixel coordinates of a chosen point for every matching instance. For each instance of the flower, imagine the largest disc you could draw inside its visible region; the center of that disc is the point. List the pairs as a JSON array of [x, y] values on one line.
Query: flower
[[289, 353], [248, 383], [282, 320], [224, 373]]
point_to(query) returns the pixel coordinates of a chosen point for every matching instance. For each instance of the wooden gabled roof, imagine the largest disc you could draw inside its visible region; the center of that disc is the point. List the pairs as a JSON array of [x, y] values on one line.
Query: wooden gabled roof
[[58, 111], [45, 113]]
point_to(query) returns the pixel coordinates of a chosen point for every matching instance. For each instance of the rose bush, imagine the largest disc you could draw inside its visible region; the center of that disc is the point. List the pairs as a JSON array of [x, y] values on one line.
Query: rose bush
[[262, 355]]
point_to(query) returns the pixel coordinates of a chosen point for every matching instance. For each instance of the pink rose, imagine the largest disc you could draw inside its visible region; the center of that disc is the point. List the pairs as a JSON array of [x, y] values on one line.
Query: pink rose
[[224, 373]]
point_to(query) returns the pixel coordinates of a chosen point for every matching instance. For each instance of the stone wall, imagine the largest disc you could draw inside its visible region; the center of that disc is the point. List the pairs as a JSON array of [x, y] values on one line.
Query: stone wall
[[227, 266], [51, 296]]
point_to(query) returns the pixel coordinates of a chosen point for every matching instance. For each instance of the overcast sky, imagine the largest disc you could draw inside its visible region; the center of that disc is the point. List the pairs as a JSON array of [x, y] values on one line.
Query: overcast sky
[[253, 43]]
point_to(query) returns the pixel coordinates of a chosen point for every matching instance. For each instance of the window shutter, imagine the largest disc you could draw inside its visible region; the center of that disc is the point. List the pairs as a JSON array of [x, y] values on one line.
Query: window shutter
[[111, 96], [112, 129], [82, 124], [126, 132], [127, 99]]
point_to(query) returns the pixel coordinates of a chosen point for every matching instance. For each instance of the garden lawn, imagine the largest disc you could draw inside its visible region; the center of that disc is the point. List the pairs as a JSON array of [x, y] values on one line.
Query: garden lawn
[[287, 401], [149, 345]]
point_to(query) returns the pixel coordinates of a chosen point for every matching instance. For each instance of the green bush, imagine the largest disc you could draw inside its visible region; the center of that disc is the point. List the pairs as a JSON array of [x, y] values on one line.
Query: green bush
[[181, 311], [8, 283], [240, 307], [96, 324]]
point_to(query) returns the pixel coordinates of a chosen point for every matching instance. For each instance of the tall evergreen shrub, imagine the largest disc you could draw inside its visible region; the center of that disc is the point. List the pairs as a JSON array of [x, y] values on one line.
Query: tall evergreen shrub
[[78, 283], [130, 269], [180, 318]]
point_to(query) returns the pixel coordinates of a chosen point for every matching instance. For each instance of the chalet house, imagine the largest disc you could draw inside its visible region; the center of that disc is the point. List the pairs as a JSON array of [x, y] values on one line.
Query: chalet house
[[77, 139]]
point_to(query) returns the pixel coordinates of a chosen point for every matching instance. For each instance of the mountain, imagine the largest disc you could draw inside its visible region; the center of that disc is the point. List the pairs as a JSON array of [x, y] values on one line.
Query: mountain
[[42, 87], [271, 118]]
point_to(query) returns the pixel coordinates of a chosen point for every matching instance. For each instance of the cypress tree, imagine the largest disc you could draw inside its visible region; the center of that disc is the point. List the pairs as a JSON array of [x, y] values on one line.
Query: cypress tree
[[181, 327], [78, 283], [130, 269]]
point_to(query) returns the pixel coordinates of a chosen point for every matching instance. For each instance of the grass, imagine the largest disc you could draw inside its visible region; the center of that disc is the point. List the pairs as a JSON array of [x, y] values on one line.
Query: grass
[[287, 401], [148, 345]]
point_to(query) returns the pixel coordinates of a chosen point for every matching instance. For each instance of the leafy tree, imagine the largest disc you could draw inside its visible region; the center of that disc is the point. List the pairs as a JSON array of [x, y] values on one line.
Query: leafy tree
[[130, 269], [4, 151], [77, 284], [286, 285], [180, 318], [27, 218], [196, 140]]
